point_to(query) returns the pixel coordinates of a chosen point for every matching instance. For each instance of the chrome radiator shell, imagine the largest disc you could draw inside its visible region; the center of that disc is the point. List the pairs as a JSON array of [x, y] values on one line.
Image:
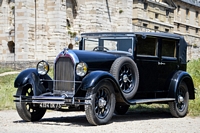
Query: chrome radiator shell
[[64, 75]]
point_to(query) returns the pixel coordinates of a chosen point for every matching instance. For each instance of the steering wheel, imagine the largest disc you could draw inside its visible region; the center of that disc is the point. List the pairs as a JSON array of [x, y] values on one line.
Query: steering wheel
[[97, 48]]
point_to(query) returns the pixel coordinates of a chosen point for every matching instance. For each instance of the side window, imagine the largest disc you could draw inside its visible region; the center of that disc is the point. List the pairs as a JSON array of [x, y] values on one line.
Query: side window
[[110, 44], [147, 46], [169, 47], [91, 43]]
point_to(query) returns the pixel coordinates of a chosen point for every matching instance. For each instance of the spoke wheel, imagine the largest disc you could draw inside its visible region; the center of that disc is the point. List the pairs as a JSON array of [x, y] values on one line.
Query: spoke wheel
[[126, 73], [179, 107], [102, 104], [28, 111], [126, 78]]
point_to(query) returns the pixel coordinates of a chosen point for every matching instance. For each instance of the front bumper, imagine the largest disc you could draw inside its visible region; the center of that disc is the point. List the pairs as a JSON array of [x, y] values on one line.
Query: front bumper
[[62, 100]]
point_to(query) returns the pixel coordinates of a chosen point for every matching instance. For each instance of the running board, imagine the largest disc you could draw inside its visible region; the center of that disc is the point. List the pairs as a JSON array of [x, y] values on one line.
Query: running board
[[155, 100]]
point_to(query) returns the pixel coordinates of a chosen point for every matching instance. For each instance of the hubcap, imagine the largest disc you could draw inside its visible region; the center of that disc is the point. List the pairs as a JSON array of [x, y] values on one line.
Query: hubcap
[[125, 78], [180, 99], [102, 102]]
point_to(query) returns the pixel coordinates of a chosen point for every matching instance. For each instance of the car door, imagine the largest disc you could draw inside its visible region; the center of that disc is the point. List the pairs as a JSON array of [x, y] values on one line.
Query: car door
[[168, 62], [147, 62]]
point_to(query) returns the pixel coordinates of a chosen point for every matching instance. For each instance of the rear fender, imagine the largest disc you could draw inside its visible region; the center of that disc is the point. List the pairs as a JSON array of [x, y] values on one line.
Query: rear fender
[[31, 76], [177, 78]]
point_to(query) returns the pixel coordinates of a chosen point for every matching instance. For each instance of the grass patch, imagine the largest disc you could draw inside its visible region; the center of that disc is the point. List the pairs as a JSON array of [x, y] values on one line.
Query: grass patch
[[2, 70], [7, 91], [153, 108], [193, 69]]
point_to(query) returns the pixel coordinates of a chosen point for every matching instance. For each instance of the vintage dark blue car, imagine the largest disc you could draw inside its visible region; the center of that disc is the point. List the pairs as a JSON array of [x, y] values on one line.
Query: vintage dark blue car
[[109, 72]]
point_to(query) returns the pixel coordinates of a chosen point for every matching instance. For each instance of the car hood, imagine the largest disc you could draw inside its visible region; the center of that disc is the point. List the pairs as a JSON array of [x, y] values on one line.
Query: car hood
[[96, 60]]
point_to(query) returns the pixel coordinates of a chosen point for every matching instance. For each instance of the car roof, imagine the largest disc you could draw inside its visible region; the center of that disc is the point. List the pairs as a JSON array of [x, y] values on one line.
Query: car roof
[[182, 44], [158, 34]]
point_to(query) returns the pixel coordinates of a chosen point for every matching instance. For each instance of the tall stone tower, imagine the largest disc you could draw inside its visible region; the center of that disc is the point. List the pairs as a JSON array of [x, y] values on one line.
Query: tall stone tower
[[40, 29]]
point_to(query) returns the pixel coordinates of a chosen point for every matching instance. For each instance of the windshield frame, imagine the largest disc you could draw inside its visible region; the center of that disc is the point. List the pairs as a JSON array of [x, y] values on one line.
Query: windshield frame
[[119, 42]]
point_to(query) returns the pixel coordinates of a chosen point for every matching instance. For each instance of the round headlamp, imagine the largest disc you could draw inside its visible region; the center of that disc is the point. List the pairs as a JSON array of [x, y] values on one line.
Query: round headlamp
[[81, 69], [43, 67]]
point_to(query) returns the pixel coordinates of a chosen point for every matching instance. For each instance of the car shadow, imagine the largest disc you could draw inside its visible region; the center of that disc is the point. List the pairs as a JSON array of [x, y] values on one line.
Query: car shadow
[[80, 120], [138, 116]]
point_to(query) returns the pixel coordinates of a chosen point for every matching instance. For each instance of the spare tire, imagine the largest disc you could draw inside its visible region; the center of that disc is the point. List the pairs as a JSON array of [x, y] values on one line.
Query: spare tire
[[125, 71]]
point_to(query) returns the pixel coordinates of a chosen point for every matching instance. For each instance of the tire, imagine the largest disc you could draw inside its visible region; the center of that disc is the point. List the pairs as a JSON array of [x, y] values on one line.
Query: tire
[[126, 73], [102, 103], [179, 107], [121, 109], [28, 111]]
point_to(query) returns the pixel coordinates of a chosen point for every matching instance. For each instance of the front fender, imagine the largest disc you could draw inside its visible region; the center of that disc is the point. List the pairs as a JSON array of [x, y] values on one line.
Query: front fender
[[94, 77], [24, 76], [31, 76], [175, 81]]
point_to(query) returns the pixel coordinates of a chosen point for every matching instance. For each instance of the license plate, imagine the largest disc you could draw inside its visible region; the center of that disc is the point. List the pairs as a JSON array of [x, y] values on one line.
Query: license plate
[[51, 106]]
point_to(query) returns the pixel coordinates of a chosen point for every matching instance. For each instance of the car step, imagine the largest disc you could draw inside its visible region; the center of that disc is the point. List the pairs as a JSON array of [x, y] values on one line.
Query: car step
[[155, 100]]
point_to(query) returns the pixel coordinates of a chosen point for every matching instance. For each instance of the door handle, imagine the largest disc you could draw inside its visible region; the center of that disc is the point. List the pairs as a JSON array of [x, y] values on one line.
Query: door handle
[[161, 63]]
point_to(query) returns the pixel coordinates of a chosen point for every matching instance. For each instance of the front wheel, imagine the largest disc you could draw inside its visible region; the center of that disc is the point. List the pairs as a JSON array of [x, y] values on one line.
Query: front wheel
[[102, 103], [28, 111], [179, 107]]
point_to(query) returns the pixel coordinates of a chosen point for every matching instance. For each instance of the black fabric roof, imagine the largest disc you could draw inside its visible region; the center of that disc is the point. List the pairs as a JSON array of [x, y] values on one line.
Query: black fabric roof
[[182, 42]]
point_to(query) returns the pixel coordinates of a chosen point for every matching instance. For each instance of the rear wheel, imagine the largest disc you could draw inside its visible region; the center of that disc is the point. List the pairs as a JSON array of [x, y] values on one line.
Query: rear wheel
[[179, 107], [28, 111], [102, 103]]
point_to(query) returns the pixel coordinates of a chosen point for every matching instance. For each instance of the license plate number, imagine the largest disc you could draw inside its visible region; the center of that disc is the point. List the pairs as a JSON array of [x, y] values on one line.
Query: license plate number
[[51, 106]]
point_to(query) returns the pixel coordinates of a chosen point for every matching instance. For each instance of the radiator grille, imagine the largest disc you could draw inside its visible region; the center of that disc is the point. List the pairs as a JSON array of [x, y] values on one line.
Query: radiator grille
[[64, 76]]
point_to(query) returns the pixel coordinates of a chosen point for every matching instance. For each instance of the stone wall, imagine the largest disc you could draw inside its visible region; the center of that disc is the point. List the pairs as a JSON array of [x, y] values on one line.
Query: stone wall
[[44, 27], [103, 15], [6, 30]]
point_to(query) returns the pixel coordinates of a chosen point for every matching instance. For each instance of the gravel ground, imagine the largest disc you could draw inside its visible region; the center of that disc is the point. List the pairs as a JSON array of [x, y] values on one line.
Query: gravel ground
[[76, 122]]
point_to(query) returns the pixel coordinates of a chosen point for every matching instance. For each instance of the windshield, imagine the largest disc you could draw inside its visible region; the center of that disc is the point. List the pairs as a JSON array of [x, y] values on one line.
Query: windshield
[[109, 44]]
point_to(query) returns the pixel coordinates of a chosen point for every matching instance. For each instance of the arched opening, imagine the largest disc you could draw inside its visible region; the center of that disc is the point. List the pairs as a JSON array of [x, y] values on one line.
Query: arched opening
[[11, 46]]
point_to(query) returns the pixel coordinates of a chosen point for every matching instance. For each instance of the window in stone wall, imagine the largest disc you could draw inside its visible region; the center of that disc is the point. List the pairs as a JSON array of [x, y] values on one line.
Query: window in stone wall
[[197, 14], [187, 12], [156, 15], [197, 30], [68, 23], [145, 25], [11, 47], [187, 28], [166, 30], [178, 26], [156, 28], [178, 9], [167, 13], [145, 5]]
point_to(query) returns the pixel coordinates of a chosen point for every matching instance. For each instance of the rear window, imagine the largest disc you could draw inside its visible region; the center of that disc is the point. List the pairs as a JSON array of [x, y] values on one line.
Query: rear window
[[147, 46], [168, 47]]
